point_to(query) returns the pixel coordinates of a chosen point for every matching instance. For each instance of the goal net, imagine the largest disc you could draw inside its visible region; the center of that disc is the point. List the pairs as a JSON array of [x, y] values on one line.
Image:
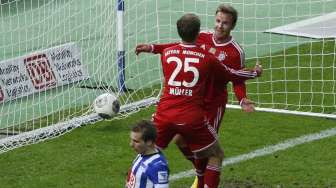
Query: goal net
[[58, 55]]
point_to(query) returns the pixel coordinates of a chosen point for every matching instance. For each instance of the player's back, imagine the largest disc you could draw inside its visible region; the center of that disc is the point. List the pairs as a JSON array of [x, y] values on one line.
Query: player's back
[[185, 69]]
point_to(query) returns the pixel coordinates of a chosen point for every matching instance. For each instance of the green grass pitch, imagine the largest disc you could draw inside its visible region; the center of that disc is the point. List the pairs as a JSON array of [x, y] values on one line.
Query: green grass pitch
[[99, 155]]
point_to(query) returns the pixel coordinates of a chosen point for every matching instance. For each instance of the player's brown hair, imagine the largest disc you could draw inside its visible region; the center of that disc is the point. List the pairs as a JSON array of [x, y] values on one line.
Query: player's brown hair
[[147, 129], [227, 9], [188, 27]]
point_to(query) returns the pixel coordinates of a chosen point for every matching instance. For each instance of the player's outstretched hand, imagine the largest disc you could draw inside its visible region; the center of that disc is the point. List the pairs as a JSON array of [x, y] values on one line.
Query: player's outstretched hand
[[258, 69], [247, 105], [142, 48]]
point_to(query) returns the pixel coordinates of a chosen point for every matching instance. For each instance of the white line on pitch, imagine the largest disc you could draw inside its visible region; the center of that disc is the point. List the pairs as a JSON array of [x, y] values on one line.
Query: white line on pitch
[[265, 151]]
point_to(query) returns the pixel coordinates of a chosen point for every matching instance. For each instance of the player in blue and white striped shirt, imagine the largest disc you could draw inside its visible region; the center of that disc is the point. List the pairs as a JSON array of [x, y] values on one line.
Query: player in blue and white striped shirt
[[150, 168]]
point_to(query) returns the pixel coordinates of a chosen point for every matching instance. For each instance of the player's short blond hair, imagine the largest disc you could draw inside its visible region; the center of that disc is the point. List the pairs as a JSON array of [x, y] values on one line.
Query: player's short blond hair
[[227, 9]]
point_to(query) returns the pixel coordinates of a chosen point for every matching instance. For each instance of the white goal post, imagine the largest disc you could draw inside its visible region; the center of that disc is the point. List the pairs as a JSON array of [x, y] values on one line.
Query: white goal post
[[58, 55]]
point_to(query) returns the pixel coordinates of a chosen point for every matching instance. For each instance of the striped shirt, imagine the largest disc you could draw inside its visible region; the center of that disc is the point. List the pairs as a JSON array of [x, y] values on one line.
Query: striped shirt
[[148, 171]]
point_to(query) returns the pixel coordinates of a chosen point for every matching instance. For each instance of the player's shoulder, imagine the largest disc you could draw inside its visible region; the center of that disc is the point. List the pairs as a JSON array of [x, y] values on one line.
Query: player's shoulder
[[206, 33], [138, 157], [205, 48], [175, 47], [158, 160], [237, 47], [205, 37], [158, 164], [235, 43]]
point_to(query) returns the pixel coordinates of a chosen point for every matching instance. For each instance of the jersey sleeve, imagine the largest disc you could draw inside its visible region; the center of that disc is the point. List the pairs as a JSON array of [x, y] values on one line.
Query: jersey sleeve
[[224, 73], [201, 39], [159, 175], [239, 88], [205, 37], [158, 48]]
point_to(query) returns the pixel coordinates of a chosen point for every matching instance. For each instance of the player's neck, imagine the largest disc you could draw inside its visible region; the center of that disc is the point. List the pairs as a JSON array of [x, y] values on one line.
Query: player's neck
[[150, 151], [224, 39], [188, 43]]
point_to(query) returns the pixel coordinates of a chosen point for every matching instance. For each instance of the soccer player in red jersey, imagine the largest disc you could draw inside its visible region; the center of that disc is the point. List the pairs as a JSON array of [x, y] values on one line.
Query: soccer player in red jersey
[[187, 70], [226, 49], [221, 44]]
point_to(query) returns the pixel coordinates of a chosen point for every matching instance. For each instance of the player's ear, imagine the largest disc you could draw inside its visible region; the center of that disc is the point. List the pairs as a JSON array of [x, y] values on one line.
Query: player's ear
[[149, 143]]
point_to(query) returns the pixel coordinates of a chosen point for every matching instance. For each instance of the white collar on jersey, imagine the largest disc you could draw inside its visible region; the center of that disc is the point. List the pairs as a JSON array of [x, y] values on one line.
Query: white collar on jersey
[[187, 45]]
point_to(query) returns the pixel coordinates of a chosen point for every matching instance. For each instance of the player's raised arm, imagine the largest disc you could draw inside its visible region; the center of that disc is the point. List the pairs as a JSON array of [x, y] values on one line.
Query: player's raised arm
[[224, 73], [153, 48], [158, 48], [143, 48]]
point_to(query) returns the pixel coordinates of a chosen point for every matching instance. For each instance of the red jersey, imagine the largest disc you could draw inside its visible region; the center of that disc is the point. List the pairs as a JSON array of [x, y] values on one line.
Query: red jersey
[[230, 54], [186, 70]]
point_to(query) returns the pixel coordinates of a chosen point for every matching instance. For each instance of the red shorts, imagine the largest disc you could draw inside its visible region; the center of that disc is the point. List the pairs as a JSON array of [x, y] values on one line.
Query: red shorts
[[198, 135], [215, 115]]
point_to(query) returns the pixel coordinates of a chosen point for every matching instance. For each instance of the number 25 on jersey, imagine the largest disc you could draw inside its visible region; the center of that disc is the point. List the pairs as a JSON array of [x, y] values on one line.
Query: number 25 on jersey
[[188, 62]]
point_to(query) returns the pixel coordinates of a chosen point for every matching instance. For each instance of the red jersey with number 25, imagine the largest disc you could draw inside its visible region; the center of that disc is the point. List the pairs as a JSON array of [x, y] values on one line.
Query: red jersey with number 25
[[230, 54], [186, 70]]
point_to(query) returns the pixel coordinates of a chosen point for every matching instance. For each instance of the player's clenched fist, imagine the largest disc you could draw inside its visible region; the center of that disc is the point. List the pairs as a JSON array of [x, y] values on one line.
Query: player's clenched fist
[[142, 48]]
